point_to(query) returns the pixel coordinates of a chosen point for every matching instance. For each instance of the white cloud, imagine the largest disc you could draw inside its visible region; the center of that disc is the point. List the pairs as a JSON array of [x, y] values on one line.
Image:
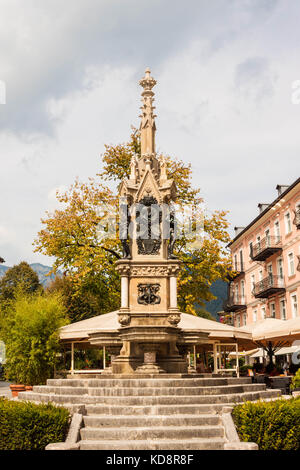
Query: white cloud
[[223, 98]]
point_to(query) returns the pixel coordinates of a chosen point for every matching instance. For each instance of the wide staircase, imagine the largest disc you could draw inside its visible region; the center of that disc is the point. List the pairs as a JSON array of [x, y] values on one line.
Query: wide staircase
[[151, 413]]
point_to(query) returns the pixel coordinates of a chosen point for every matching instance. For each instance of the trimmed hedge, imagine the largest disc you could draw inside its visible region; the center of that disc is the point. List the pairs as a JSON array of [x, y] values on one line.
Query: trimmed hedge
[[296, 380], [27, 426], [273, 425]]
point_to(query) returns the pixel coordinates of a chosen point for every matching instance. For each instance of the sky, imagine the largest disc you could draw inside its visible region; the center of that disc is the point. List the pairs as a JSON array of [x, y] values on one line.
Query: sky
[[225, 72]]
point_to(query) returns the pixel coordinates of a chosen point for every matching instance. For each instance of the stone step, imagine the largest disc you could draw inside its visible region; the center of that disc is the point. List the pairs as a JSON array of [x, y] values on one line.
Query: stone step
[[101, 421], [162, 444], [157, 410], [150, 400], [174, 391], [149, 391], [145, 383], [145, 433]]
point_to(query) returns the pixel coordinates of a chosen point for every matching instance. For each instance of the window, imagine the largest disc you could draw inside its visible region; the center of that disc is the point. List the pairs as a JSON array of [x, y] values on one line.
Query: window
[[294, 304], [291, 264], [277, 230], [245, 318], [270, 272], [241, 260], [237, 293], [288, 223], [258, 241], [282, 309], [252, 281], [250, 248], [255, 315], [272, 310], [243, 291], [280, 268], [260, 275], [238, 321], [270, 268], [263, 313], [267, 234], [235, 263]]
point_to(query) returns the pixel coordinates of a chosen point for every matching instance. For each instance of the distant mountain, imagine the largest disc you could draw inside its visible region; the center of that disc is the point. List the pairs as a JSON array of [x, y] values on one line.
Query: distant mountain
[[219, 290], [40, 269]]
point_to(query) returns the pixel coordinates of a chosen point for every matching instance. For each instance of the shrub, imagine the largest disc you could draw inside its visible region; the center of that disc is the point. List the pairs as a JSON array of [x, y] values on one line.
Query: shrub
[[296, 380], [30, 332], [272, 425], [27, 426]]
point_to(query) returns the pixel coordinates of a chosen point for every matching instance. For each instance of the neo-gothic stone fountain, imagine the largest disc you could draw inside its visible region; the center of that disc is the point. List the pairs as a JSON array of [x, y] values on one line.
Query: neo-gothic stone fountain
[[148, 340]]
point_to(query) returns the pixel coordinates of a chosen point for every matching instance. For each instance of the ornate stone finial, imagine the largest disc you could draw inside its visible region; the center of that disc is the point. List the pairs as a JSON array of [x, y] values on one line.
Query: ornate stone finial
[[147, 126]]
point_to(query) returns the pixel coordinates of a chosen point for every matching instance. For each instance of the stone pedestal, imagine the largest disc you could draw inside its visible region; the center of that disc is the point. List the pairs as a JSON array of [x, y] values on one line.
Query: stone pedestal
[[150, 365]]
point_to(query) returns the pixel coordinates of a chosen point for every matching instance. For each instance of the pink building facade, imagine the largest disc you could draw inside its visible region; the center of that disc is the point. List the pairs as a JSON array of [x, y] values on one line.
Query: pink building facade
[[266, 262]]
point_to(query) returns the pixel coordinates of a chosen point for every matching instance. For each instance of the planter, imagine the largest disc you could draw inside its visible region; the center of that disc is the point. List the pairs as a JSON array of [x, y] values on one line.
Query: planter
[[28, 388], [15, 389]]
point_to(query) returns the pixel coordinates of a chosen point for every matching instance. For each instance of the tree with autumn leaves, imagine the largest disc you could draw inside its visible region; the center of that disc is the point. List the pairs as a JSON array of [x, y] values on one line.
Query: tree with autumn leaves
[[70, 235]]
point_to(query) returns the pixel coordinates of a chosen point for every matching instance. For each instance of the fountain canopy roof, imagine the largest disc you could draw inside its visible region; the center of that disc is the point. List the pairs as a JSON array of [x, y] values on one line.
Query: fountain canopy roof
[[81, 330]]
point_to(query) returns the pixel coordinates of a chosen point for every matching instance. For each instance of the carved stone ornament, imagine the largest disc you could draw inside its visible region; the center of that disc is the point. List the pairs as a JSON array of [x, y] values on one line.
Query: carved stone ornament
[[149, 243], [174, 319], [123, 270], [124, 320], [144, 271], [147, 294]]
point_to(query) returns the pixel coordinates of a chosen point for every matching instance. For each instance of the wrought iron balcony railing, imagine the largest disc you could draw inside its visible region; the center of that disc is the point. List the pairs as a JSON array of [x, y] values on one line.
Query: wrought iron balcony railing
[[296, 220], [236, 270], [266, 248], [268, 286], [234, 303]]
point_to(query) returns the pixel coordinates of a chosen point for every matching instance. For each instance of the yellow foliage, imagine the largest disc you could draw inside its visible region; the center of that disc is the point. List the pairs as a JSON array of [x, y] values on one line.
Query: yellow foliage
[[70, 234]]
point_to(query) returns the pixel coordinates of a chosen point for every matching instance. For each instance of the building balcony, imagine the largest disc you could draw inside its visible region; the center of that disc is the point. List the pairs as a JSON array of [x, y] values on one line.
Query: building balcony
[[234, 303], [266, 248], [296, 220], [268, 286], [236, 270]]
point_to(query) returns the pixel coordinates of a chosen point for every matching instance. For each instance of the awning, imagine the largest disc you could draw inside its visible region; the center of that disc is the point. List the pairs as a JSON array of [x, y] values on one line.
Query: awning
[[287, 350], [259, 353]]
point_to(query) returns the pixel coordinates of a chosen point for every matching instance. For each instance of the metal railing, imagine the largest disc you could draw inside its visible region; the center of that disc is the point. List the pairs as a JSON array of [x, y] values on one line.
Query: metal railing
[[265, 244], [269, 283], [238, 267], [234, 302]]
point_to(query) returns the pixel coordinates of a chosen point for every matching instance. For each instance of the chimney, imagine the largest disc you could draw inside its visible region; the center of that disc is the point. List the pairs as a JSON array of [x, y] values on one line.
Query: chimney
[[238, 230], [281, 188], [262, 206]]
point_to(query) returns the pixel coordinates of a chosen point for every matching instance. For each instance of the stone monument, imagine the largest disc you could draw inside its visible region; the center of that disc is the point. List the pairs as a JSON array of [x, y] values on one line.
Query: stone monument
[[149, 340]]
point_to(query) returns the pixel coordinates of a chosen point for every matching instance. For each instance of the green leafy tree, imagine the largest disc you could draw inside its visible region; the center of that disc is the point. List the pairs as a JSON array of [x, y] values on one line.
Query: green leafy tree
[[18, 278], [30, 333], [88, 301]]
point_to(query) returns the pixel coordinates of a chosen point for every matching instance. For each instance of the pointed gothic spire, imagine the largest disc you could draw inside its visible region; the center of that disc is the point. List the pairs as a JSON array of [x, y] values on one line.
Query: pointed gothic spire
[[147, 126]]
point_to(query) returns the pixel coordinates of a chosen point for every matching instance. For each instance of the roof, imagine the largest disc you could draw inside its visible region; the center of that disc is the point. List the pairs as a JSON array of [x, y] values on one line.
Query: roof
[[265, 211], [81, 329], [274, 329], [109, 322]]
